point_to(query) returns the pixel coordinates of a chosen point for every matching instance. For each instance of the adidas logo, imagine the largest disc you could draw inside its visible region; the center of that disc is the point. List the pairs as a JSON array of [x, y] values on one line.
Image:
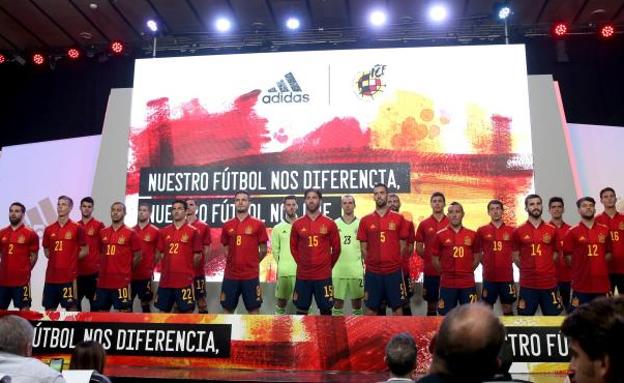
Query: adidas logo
[[286, 91]]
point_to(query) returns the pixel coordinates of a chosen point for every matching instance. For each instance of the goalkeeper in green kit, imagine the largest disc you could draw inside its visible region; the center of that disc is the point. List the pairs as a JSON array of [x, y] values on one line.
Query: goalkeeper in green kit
[[280, 248], [348, 273]]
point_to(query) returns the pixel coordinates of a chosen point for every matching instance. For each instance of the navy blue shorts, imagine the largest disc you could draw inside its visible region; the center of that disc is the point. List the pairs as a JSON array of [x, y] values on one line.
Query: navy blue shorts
[[323, 292], [547, 299], [506, 291], [579, 298], [388, 288], [200, 287], [183, 298], [143, 289], [59, 293], [119, 299], [450, 297], [232, 289], [86, 285], [409, 285], [431, 288], [564, 293], [20, 295]]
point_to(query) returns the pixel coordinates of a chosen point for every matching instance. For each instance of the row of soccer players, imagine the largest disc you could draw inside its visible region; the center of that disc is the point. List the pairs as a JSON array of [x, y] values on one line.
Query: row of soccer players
[[316, 259]]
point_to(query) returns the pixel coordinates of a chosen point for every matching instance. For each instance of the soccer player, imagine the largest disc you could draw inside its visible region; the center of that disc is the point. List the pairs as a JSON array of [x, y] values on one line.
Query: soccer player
[[180, 249], [19, 245], [382, 235], [587, 247], [245, 240], [495, 255], [348, 272], [143, 273], [63, 243], [315, 246], [425, 233], [280, 248], [394, 203], [564, 277], [453, 255], [89, 266], [615, 222], [534, 252], [200, 272], [121, 252]]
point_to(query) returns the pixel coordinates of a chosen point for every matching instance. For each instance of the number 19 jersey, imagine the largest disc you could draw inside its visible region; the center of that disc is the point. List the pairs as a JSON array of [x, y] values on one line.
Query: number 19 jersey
[[349, 264]]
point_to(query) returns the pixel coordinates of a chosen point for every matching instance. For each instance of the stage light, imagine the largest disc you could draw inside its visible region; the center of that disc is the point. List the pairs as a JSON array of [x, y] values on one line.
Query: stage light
[[152, 25], [293, 23], [504, 12], [223, 25], [38, 59], [377, 18], [438, 13], [560, 29], [607, 31], [73, 53], [3, 58], [117, 47]]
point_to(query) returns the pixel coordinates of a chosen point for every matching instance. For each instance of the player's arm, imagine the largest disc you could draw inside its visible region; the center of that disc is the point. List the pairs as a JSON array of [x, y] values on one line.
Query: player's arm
[[263, 238], [294, 245], [46, 252], [136, 258], [362, 236], [158, 256], [84, 251], [435, 261], [435, 254], [336, 243], [477, 252], [262, 250], [364, 249], [420, 249], [515, 257], [567, 247], [515, 246], [33, 259], [34, 250], [197, 258], [45, 243]]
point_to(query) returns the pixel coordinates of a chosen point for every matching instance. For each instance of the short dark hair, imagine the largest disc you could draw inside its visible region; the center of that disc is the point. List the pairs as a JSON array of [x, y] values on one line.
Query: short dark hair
[[123, 205], [598, 327], [455, 203], [20, 205], [607, 189], [531, 196], [380, 185], [88, 355], [554, 200], [313, 190], [494, 202], [585, 199], [289, 197], [87, 199], [66, 198], [146, 204], [437, 194], [180, 201], [401, 353], [242, 192]]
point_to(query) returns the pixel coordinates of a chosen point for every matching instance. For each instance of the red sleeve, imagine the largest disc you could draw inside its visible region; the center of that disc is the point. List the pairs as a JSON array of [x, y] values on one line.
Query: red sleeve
[[161, 242], [435, 246], [207, 239], [294, 250], [135, 243], [362, 235], [568, 242], [198, 245], [98, 236], [476, 245], [46, 238], [262, 233], [335, 242], [515, 241], [420, 233], [608, 243], [82, 240], [479, 241], [404, 229], [34, 242], [412, 235]]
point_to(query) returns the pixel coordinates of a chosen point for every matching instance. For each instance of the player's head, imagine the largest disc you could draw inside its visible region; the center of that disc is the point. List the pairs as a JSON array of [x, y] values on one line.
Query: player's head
[[608, 197], [495, 210], [145, 211], [394, 202], [242, 201], [533, 205], [586, 207], [347, 202], [455, 214], [401, 353], [437, 201], [118, 212], [380, 194], [596, 333], [178, 210], [556, 207], [86, 207], [191, 207], [64, 205], [312, 199], [468, 343], [290, 206], [16, 213]]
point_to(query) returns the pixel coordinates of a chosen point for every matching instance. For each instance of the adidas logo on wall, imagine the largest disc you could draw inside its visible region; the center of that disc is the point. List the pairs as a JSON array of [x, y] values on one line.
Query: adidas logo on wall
[[286, 91]]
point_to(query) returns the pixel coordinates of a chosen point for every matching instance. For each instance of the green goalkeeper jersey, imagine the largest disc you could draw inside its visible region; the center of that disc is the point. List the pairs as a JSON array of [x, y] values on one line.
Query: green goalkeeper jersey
[[280, 248], [349, 263]]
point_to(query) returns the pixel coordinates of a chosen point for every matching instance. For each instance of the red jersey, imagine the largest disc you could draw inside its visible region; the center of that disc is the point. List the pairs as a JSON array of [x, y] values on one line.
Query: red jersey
[[456, 251], [16, 245], [537, 246], [425, 233], [411, 238], [63, 244], [616, 229], [148, 238], [496, 246], [242, 239], [315, 246], [204, 235], [563, 270], [91, 263], [590, 273], [383, 235], [118, 248], [178, 246]]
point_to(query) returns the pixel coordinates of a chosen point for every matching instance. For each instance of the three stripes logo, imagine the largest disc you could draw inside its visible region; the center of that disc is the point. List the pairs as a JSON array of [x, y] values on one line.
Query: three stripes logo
[[286, 91]]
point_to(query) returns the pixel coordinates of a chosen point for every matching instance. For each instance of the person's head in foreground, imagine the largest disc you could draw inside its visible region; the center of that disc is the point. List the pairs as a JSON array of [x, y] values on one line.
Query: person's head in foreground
[[16, 335], [401, 355], [88, 355]]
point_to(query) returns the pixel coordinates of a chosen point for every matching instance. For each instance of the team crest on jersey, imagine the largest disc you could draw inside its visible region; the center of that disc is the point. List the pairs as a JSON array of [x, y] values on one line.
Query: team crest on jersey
[[522, 304], [4, 239], [121, 240], [602, 238], [323, 229], [441, 304], [621, 225], [21, 239], [91, 232], [68, 235], [506, 237], [248, 230], [147, 238], [546, 238], [392, 226], [184, 238], [467, 241]]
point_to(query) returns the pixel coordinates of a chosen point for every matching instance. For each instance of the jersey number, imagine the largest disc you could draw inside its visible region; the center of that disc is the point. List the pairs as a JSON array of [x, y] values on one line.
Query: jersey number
[[498, 245], [11, 246], [536, 250], [472, 298], [123, 293], [592, 250], [615, 236], [329, 291], [239, 240], [68, 292], [313, 241], [346, 240], [111, 249], [382, 236], [187, 294], [458, 252], [173, 248], [58, 245]]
